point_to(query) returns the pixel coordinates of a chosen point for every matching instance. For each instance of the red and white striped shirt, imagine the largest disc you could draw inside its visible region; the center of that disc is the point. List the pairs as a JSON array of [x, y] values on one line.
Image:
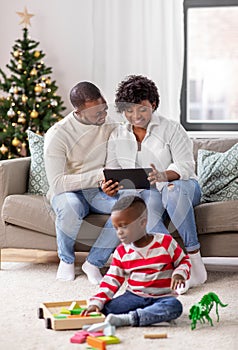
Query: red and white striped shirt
[[148, 269]]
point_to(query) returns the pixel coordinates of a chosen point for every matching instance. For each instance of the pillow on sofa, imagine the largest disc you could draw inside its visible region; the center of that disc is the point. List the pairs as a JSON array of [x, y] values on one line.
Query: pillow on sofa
[[38, 183], [218, 174]]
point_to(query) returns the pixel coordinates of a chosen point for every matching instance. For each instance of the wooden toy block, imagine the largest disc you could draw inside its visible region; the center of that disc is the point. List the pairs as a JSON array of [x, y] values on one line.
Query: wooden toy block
[[77, 311], [48, 311], [74, 305], [96, 327], [96, 343], [65, 311], [155, 335], [110, 339], [77, 339], [109, 330], [60, 316], [81, 336]]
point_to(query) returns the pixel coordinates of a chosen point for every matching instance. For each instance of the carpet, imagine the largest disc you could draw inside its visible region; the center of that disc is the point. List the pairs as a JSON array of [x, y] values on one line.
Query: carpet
[[23, 286]]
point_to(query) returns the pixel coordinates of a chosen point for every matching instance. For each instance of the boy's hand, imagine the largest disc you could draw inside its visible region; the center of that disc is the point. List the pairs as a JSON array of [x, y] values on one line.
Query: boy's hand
[[91, 308], [110, 188], [177, 281]]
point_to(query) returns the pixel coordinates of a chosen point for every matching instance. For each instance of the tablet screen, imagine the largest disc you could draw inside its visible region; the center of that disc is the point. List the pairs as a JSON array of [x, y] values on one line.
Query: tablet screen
[[129, 178]]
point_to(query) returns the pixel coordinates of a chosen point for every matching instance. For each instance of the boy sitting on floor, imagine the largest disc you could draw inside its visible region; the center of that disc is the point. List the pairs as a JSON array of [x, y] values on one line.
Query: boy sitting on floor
[[155, 265]]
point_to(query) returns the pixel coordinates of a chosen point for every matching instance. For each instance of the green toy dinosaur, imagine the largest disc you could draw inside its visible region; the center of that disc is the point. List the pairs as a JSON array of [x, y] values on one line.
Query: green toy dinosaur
[[200, 311]]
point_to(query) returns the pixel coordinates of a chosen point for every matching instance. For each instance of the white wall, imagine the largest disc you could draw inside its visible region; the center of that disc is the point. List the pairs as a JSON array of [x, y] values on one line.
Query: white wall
[[91, 40]]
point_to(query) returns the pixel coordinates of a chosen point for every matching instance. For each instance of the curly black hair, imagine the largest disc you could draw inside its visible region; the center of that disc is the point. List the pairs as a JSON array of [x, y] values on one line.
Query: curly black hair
[[134, 89]]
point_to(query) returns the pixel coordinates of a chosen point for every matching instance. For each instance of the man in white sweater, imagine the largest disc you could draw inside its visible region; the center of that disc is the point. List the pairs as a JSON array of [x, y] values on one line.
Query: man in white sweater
[[75, 152]]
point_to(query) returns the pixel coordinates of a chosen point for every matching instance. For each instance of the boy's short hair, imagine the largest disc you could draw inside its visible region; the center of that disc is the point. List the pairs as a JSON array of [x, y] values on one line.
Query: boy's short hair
[[83, 92], [130, 202]]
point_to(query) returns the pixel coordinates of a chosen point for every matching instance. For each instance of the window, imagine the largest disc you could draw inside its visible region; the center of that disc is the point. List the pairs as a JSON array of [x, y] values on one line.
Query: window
[[209, 96]]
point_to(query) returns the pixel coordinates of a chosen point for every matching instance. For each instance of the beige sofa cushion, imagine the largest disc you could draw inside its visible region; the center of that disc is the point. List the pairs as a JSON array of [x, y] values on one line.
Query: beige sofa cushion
[[217, 217], [29, 211], [35, 213]]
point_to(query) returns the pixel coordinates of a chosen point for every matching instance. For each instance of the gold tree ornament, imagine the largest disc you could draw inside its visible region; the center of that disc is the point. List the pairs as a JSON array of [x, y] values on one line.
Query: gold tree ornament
[[3, 149], [34, 114], [19, 65], [15, 90], [25, 17], [11, 113], [24, 98], [33, 71], [36, 54], [16, 53], [48, 81], [38, 88], [21, 119], [15, 142]]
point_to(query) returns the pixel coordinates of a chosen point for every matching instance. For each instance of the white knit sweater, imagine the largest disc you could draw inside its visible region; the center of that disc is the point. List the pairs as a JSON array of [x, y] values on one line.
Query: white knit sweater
[[74, 155]]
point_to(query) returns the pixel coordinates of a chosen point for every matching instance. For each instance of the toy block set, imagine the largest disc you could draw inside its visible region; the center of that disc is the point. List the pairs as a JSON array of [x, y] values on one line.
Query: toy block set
[[97, 332], [66, 315]]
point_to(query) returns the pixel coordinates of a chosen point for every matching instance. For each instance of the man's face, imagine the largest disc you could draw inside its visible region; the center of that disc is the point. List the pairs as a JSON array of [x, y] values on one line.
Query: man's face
[[130, 228], [93, 112]]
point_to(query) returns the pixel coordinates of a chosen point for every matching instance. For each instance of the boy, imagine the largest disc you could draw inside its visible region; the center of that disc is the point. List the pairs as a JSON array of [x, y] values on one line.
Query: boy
[[154, 263]]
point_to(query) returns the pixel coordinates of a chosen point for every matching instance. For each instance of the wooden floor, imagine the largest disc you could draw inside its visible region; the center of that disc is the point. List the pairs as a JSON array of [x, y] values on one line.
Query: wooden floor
[[34, 256]]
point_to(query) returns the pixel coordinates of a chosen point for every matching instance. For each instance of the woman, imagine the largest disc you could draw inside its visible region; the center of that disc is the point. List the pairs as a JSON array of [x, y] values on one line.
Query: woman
[[149, 140]]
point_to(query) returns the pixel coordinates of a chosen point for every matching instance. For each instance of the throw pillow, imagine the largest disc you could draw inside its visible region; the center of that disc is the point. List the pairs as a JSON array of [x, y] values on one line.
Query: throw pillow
[[38, 183], [218, 174]]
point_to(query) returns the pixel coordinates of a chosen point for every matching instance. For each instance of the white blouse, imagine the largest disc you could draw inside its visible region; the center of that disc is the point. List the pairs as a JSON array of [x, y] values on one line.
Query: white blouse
[[166, 145]]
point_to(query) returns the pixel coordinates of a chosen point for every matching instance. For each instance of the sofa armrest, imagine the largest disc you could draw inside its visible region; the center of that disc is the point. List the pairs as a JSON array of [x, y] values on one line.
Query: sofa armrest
[[13, 180], [13, 176]]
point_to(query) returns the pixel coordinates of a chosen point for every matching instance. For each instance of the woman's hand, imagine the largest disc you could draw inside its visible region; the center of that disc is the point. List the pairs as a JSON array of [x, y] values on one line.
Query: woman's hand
[[110, 188], [91, 308], [156, 175]]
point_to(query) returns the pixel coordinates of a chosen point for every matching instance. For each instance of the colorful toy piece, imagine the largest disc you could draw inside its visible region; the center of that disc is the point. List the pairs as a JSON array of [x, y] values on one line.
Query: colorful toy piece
[[200, 311], [96, 343], [107, 328], [74, 305], [112, 339], [81, 336]]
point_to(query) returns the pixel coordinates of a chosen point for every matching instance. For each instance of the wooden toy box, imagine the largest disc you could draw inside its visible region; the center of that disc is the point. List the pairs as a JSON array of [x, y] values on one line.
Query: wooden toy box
[[48, 310]]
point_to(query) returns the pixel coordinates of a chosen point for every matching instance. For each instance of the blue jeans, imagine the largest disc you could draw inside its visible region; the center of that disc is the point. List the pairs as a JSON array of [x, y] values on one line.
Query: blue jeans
[[144, 311], [70, 209], [177, 201]]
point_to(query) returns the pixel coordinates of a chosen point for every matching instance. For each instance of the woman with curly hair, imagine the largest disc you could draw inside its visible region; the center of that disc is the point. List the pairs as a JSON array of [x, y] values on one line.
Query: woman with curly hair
[[150, 140]]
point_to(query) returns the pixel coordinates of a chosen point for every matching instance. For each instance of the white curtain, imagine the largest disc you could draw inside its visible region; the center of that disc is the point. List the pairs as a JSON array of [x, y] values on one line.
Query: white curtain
[[139, 37]]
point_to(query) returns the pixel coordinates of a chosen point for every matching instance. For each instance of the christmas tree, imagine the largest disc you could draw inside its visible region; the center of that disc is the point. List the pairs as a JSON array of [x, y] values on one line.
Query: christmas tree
[[28, 97]]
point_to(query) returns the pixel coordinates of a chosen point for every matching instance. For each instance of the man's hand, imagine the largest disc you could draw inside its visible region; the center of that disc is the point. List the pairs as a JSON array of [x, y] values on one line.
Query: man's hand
[[91, 308], [177, 281], [110, 188]]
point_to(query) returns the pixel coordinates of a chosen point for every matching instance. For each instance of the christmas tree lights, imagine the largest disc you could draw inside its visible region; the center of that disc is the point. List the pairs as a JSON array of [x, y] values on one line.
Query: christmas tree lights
[[28, 98]]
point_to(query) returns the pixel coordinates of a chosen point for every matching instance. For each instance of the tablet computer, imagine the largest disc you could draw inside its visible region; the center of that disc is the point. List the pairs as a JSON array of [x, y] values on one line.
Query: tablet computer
[[129, 178]]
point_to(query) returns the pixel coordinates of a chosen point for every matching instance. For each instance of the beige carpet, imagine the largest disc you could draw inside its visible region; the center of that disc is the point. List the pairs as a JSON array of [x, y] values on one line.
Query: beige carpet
[[23, 286]]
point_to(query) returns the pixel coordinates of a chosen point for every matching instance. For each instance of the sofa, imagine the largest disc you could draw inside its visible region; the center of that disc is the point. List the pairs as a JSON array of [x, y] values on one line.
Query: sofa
[[27, 220]]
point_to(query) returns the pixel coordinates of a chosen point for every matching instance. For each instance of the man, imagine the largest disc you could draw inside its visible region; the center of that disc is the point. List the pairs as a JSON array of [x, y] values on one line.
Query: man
[[75, 151]]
